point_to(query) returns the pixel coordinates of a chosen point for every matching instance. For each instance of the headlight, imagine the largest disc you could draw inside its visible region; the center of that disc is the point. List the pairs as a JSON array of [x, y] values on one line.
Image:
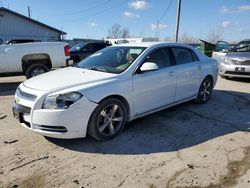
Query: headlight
[[226, 60], [61, 101]]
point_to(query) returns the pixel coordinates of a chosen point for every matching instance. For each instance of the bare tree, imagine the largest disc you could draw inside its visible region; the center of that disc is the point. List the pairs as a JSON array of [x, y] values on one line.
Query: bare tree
[[213, 36], [125, 33], [116, 31], [186, 38]]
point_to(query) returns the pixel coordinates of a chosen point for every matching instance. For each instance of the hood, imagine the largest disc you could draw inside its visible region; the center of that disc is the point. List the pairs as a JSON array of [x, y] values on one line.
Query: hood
[[239, 55], [66, 78]]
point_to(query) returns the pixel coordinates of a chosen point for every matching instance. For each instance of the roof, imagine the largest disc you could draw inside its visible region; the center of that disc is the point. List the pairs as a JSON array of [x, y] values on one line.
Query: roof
[[31, 20], [151, 44]]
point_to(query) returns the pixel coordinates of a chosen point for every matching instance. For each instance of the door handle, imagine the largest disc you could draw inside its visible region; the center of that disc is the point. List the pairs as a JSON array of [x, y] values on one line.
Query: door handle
[[199, 67]]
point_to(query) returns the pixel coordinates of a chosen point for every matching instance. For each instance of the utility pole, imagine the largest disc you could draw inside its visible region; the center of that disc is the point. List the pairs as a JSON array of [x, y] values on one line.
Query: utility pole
[[178, 20], [29, 11]]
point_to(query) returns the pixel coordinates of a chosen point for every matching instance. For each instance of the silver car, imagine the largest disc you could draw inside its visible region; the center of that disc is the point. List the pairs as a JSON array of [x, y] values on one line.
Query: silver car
[[236, 61]]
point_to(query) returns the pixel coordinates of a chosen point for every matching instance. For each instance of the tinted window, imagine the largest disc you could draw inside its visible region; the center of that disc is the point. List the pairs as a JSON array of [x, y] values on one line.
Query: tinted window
[[77, 47], [242, 47], [161, 57], [98, 46], [182, 56], [221, 45], [195, 57]]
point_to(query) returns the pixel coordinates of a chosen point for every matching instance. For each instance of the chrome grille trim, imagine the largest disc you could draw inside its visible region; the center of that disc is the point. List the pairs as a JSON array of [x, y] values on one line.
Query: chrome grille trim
[[26, 95]]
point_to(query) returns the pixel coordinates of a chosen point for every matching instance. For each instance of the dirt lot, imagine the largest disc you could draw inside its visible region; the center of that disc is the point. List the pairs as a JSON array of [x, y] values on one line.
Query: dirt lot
[[188, 145]]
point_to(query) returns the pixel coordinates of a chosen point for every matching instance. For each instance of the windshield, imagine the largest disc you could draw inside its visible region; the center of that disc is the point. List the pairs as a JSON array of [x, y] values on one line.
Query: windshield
[[77, 47], [221, 45], [112, 59], [243, 46]]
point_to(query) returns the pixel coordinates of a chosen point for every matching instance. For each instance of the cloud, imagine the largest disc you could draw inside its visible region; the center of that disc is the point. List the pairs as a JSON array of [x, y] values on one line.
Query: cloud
[[226, 24], [131, 15], [242, 30], [93, 24], [224, 9], [243, 8], [139, 4], [160, 26]]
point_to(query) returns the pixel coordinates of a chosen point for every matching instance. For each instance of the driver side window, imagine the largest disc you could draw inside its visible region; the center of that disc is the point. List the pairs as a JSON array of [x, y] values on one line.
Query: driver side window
[[161, 57]]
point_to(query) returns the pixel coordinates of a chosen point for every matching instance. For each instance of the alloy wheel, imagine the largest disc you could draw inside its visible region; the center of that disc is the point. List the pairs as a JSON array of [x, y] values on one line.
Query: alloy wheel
[[206, 90], [110, 120]]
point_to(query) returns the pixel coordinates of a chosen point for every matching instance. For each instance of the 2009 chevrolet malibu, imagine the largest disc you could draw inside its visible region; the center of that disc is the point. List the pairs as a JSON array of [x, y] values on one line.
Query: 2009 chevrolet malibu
[[112, 87]]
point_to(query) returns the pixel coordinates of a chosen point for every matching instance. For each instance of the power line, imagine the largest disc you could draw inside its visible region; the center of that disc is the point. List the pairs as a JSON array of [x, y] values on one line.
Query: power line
[[83, 10], [95, 14], [166, 11], [162, 16]]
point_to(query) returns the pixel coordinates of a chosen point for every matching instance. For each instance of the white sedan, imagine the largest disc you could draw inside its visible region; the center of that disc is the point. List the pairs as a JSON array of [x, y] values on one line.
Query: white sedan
[[112, 87]]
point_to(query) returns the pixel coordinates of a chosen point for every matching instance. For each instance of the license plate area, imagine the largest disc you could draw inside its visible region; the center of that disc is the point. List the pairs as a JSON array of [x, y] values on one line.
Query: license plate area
[[239, 69]]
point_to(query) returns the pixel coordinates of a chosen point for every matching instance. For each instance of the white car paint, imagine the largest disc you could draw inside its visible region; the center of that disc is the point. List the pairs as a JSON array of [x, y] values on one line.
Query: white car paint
[[144, 93], [11, 55]]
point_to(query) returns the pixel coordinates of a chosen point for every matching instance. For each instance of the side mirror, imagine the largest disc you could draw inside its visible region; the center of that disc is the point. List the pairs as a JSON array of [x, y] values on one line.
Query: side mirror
[[149, 66], [225, 50]]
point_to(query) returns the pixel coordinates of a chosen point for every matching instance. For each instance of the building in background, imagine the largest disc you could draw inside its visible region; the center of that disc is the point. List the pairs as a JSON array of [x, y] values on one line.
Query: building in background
[[17, 26]]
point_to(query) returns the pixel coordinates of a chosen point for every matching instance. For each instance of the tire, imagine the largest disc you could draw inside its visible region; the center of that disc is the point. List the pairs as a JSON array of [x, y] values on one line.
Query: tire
[[35, 70], [205, 91], [107, 120]]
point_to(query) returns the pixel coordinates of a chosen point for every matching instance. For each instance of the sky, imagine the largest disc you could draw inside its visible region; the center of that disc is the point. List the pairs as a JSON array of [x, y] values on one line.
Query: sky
[[93, 18]]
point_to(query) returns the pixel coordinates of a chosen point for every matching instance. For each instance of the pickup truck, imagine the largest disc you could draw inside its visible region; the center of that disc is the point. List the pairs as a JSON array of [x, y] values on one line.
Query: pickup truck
[[33, 59]]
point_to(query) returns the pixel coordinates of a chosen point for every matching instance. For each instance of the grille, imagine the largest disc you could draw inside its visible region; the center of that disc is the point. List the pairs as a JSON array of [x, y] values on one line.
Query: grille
[[58, 129], [26, 95], [236, 62], [238, 73], [22, 109]]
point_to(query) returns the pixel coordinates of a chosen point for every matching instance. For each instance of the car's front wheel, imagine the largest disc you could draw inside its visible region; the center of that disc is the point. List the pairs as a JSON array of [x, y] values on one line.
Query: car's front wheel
[[205, 90], [107, 120]]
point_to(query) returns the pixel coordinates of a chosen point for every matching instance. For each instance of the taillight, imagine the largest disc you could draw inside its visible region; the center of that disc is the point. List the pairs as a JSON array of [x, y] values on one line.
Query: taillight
[[66, 50]]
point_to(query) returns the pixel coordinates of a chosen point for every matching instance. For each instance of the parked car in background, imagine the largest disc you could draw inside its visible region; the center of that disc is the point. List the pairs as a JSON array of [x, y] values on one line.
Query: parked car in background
[[33, 59], [83, 50], [234, 61], [114, 86]]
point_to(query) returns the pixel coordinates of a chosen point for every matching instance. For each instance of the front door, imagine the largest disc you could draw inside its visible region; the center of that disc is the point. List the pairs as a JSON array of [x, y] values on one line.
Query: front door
[[155, 89]]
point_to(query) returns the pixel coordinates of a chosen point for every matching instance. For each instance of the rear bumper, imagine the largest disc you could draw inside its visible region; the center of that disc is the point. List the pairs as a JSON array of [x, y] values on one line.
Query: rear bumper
[[242, 71]]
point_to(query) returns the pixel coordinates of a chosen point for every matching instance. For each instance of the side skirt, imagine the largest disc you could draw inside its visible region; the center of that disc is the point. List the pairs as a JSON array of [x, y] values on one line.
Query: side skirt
[[162, 108]]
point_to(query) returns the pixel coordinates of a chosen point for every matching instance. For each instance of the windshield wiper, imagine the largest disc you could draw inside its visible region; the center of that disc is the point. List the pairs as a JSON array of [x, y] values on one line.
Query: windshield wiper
[[97, 69]]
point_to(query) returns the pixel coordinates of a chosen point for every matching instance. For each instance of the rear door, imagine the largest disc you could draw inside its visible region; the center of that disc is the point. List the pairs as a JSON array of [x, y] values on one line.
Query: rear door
[[189, 72], [155, 89]]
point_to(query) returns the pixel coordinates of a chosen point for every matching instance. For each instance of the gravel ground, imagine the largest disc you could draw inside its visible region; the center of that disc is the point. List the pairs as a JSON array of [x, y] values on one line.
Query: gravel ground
[[188, 145]]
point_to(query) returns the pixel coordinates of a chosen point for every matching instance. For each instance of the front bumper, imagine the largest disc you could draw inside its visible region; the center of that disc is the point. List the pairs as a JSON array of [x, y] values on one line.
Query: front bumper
[[242, 71], [59, 123]]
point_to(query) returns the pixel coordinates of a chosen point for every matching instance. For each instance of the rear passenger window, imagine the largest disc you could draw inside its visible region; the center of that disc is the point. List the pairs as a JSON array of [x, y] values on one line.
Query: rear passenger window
[[161, 57], [182, 55], [98, 46]]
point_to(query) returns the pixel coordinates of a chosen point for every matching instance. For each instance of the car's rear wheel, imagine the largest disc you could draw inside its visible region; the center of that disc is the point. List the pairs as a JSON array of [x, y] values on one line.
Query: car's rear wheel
[[35, 70], [205, 91], [107, 120]]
